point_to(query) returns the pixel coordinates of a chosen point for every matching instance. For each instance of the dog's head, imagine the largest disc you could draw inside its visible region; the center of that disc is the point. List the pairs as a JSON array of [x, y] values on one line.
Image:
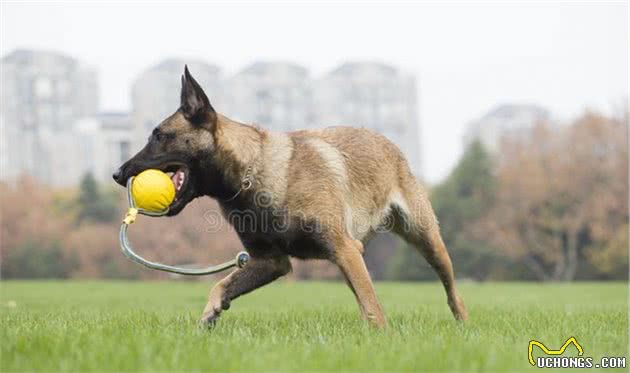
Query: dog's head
[[179, 145]]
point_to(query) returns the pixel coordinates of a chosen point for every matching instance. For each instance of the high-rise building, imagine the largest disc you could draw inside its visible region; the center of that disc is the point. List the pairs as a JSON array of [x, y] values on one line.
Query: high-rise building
[[374, 96], [50, 128], [156, 93], [274, 95], [42, 93], [504, 121]]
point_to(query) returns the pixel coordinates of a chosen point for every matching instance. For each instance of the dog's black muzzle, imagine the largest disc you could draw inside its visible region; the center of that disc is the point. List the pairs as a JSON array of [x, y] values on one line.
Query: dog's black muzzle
[[117, 176], [165, 163]]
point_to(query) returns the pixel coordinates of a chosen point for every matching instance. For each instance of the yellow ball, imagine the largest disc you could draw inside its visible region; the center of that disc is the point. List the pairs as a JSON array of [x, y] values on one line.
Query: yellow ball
[[152, 190]]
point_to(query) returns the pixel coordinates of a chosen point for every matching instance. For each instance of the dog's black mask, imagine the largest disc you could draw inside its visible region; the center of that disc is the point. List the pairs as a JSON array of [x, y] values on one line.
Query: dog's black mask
[[178, 146]]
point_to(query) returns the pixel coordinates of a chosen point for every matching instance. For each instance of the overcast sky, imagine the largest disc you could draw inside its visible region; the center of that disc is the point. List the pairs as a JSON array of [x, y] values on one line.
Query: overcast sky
[[566, 56]]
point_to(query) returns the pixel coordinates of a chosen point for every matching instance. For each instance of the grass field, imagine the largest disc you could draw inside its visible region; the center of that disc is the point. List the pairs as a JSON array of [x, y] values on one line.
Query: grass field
[[135, 326]]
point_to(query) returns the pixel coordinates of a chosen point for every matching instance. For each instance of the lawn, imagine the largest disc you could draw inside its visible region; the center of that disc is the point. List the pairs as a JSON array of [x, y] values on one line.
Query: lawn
[[287, 326]]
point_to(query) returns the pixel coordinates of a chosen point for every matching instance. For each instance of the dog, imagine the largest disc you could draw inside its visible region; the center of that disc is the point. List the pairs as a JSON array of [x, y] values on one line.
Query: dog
[[311, 194]]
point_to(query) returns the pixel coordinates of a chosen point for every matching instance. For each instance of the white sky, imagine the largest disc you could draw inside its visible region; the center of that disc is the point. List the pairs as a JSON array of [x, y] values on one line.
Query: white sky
[[468, 57]]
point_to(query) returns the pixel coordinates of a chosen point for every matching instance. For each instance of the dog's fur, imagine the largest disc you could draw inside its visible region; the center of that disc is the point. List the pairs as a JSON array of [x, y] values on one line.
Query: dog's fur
[[314, 194]]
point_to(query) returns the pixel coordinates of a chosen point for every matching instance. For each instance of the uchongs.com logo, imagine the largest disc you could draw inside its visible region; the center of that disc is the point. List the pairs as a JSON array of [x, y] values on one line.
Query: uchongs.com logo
[[554, 358]]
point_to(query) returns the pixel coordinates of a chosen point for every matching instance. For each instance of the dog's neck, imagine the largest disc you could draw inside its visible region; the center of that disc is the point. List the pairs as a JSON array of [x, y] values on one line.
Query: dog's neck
[[237, 148]]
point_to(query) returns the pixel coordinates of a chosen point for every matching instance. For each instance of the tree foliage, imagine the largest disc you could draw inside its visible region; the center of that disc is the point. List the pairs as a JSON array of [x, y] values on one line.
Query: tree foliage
[[464, 197], [94, 205], [562, 199]]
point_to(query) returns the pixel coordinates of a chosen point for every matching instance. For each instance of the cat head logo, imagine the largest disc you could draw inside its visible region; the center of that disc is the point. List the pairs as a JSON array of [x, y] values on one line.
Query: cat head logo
[[547, 351]]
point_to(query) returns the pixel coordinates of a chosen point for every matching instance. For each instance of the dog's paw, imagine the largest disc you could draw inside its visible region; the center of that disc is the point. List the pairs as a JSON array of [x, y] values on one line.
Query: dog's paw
[[209, 319], [457, 307]]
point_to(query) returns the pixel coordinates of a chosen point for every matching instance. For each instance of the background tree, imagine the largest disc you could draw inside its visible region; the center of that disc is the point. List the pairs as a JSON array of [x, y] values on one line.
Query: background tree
[[31, 230], [463, 198], [95, 206], [562, 198]]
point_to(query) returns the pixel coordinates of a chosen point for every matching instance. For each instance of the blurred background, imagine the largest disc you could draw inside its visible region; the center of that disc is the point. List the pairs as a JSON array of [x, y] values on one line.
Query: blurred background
[[514, 116]]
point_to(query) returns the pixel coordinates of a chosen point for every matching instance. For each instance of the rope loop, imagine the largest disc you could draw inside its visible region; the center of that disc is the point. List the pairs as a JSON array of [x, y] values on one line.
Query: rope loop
[[239, 261]]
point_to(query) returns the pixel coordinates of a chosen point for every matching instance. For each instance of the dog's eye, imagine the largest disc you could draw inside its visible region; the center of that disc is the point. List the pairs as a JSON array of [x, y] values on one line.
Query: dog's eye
[[159, 136]]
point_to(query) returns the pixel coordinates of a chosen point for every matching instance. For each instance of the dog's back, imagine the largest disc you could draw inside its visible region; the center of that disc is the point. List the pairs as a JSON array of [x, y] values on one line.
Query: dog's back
[[349, 179]]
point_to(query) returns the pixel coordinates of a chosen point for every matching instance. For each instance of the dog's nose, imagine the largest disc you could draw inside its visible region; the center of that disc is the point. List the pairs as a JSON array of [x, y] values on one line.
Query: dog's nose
[[116, 175]]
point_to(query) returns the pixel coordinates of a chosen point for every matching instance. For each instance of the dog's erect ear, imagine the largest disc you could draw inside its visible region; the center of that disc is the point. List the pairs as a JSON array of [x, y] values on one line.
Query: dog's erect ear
[[194, 103]]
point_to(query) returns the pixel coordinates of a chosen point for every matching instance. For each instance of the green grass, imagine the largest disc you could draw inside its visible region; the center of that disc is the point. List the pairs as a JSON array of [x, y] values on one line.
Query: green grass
[[135, 326]]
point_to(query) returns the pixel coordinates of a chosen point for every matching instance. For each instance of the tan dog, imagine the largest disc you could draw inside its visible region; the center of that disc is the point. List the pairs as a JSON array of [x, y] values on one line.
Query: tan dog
[[305, 194]]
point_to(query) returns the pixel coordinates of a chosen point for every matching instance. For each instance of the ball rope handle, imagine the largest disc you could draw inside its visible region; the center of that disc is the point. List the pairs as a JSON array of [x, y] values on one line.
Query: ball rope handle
[[240, 261]]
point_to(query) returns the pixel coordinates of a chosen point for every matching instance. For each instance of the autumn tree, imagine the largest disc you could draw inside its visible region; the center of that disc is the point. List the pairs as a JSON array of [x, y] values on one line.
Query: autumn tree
[[562, 198], [31, 231]]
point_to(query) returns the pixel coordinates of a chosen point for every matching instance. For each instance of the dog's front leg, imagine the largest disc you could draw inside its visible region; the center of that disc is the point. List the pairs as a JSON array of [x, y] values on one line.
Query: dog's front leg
[[258, 272]]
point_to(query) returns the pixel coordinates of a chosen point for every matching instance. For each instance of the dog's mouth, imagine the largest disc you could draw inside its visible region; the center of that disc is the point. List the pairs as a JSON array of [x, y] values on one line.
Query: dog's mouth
[[180, 172], [181, 178]]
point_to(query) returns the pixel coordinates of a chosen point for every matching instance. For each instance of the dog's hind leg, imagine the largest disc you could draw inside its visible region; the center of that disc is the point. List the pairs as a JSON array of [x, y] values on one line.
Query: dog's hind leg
[[258, 272], [415, 221], [349, 259]]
